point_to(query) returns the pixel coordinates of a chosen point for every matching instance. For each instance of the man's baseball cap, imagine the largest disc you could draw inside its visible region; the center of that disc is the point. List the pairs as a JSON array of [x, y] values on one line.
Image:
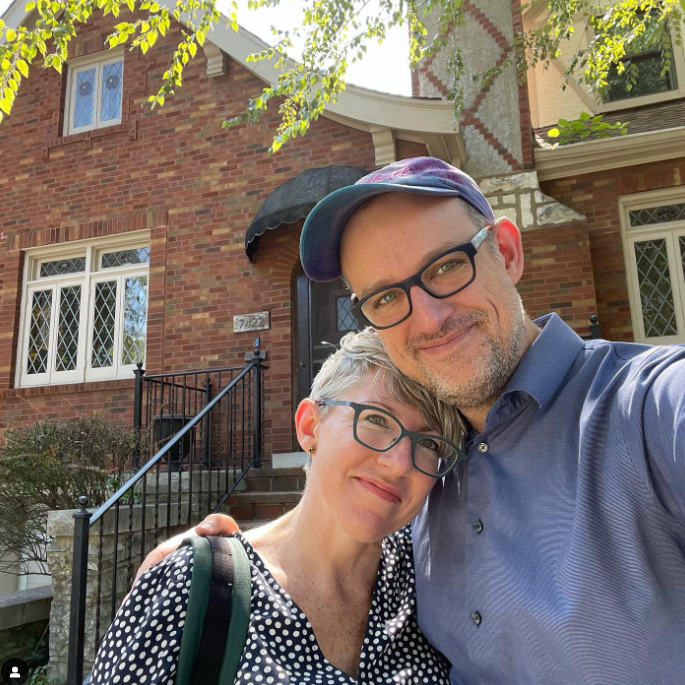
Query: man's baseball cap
[[323, 229]]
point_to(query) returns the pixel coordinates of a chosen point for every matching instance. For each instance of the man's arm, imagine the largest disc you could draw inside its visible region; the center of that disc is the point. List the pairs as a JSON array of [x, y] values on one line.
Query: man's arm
[[663, 424], [214, 524]]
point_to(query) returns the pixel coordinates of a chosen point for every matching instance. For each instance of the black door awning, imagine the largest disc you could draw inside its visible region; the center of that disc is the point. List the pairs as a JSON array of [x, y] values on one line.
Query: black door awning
[[294, 199]]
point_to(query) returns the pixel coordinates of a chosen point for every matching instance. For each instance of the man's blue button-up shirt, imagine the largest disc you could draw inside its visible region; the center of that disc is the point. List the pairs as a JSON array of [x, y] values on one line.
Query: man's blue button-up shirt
[[556, 556]]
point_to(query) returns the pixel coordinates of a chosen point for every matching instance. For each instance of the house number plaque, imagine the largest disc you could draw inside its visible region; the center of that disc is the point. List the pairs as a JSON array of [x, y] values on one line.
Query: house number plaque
[[251, 322]]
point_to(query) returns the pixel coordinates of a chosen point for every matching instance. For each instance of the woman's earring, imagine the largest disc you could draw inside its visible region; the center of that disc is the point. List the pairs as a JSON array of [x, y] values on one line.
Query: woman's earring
[[311, 449]]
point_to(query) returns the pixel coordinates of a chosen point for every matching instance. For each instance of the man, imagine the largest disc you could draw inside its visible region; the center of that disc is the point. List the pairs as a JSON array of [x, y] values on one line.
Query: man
[[556, 556]]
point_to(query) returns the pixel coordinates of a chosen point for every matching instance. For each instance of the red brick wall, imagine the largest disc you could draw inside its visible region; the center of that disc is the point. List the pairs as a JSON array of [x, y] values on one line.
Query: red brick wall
[[558, 274], [195, 185], [596, 196]]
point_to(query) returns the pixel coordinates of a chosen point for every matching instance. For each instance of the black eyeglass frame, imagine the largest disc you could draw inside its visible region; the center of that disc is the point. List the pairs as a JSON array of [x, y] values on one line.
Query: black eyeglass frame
[[470, 249], [415, 437]]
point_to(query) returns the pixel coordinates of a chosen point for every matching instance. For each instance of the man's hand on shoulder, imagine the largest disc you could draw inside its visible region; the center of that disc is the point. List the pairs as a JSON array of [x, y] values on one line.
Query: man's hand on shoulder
[[214, 524]]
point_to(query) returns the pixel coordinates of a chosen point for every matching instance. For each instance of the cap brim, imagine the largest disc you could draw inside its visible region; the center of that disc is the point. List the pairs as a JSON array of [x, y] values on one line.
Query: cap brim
[[323, 228]]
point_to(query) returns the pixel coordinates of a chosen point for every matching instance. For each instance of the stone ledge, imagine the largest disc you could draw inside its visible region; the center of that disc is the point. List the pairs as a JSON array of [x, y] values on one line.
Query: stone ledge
[[25, 606]]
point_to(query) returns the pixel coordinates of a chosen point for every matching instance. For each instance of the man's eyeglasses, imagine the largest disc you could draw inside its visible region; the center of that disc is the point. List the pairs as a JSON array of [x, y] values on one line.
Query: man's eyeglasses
[[380, 431], [445, 275]]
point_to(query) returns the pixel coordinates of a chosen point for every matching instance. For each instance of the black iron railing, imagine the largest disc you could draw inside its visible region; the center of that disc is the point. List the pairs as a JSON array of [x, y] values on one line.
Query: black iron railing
[[595, 327], [201, 432]]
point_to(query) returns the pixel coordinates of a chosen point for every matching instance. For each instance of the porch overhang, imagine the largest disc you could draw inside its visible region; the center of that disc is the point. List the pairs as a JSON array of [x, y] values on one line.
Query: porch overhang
[[295, 198]]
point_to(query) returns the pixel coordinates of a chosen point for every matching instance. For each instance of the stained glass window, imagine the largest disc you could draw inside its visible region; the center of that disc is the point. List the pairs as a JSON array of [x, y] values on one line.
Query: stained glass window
[[140, 255], [346, 320], [110, 107], [39, 332], [61, 267], [135, 318], [85, 98], [68, 327]]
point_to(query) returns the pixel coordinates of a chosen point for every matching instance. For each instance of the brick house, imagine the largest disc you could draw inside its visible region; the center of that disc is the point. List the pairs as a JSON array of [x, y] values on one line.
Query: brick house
[[123, 229]]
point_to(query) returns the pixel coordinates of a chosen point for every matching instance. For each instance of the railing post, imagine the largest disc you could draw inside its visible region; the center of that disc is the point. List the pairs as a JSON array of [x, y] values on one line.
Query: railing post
[[138, 372], [257, 371], [207, 447], [595, 327], [79, 580]]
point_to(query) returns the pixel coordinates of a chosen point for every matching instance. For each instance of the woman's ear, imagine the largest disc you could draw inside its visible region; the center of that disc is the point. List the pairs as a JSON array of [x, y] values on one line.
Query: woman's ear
[[306, 423]]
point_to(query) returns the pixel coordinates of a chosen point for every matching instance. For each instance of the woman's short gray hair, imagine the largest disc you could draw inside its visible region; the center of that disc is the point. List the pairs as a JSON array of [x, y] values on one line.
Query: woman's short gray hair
[[363, 353]]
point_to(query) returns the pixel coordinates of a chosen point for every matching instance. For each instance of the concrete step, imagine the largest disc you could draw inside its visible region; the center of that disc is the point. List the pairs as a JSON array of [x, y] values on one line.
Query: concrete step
[[289, 460], [275, 480]]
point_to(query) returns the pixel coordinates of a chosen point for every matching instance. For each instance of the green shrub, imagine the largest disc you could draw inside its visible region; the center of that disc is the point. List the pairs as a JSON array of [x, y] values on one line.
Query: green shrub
[[48, 466]]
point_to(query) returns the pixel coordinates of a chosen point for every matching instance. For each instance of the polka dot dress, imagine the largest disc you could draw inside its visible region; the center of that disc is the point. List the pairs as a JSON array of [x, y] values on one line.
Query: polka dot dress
[[143, 644]]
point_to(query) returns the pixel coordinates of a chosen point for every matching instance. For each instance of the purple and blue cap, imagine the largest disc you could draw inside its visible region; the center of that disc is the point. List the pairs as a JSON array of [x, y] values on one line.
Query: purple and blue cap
[[323, 229]]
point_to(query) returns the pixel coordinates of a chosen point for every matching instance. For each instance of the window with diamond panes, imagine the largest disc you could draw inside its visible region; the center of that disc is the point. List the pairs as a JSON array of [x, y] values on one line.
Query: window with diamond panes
[[39, 332], [656, 292], [125, 257], [346, 320], [86, 316], [68, 328], [94, 94]]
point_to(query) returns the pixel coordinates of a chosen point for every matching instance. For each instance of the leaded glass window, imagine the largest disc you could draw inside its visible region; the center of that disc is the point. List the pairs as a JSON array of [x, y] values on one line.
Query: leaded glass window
[[346, 320], [111, 91], [657, 215], [103, 324], [39, 332], [83, 320], [94, 93], [61, 267], [68, 327], [123, 257], [656, 292], [85, 98]]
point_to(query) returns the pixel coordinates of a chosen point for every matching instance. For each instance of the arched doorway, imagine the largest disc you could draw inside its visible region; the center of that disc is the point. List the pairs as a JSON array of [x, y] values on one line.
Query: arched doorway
[[323, 317]]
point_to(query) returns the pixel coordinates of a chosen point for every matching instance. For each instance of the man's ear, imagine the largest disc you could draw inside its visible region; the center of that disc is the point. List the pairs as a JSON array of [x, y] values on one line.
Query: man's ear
[[306, 423], [508, 238]]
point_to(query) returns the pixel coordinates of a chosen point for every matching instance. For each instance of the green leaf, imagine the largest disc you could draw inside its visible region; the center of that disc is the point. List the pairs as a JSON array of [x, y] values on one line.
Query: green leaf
[[10, 35], [29, 6], [584, 116], [553, 133], [192, 49], [23, 68]]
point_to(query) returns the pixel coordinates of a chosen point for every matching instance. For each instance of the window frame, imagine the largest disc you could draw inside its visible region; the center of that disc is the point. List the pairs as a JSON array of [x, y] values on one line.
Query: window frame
[[31, 283], [670, 232], [74, 66], [678, 73]]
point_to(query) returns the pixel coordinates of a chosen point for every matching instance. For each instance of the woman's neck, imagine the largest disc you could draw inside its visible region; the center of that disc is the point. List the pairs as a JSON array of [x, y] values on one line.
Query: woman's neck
[[309, 537]]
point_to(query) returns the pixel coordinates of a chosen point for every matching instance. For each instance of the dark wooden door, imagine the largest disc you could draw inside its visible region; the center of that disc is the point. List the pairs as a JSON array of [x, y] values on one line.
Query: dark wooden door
[[323, 317]]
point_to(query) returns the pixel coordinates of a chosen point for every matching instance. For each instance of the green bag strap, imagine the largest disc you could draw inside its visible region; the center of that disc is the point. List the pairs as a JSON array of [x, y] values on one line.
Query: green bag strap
[[240, 612], [197, 607]]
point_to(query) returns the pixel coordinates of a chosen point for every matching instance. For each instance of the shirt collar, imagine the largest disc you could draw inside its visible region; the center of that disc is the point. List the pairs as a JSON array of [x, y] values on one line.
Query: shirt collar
[[546, 361]]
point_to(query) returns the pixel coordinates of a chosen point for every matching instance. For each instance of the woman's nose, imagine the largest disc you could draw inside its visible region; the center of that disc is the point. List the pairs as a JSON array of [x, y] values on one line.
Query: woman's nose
[[398, 457]]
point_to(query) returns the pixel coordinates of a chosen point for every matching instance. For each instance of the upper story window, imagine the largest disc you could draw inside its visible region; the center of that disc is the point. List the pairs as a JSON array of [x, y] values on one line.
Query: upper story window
[[84, 311], [645, 72], [94, 91], [654, 233]]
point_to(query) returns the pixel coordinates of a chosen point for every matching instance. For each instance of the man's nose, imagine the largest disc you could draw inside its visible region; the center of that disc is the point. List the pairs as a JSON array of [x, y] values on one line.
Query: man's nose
[[428, 313]]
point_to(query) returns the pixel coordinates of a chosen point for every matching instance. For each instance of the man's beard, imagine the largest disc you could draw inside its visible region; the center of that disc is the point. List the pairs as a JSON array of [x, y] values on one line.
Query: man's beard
[[488, 373]]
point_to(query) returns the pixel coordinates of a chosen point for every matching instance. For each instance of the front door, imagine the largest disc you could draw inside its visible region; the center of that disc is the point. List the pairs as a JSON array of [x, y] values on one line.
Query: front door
[[323, 317]]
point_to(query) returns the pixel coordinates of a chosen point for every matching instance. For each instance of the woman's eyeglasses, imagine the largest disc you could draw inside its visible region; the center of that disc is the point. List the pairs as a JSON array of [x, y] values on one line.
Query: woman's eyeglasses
[[380, 431], [445, 275]]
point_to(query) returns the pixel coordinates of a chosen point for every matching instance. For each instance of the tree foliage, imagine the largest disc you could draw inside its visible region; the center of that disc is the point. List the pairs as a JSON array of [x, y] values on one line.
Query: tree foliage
[[46, 467], [336, 33]]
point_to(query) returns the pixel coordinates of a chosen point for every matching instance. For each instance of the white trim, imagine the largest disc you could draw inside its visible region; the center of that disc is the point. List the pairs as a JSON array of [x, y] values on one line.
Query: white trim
[[609, 153], [91, 247], [669, 231], [98, 61]]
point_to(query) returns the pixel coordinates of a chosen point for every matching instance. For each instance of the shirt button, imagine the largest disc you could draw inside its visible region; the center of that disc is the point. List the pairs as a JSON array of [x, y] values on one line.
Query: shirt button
[[483, 447], [478, 526], [476, 618]]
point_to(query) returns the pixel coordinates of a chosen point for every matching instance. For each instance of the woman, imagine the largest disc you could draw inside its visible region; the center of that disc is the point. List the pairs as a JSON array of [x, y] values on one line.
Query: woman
[[333, 580]]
